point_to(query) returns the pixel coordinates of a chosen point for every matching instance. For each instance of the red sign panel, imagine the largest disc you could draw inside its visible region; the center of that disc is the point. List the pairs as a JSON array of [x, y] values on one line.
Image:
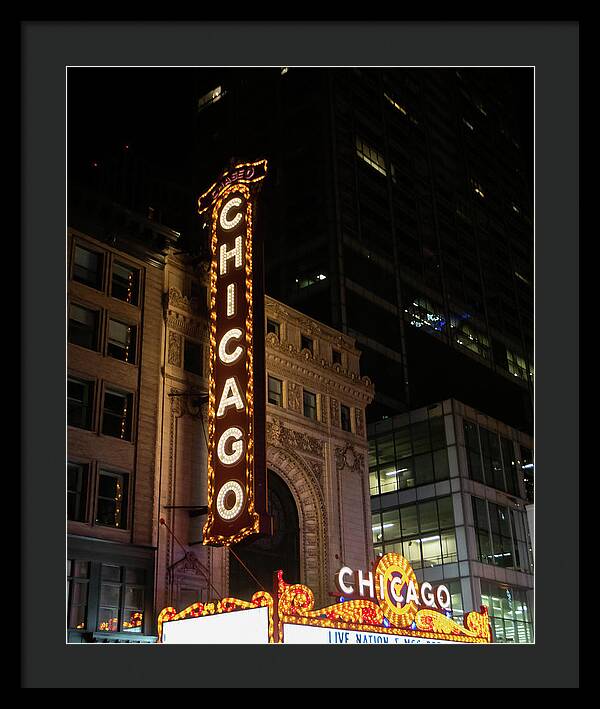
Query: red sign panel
[[237, 488]]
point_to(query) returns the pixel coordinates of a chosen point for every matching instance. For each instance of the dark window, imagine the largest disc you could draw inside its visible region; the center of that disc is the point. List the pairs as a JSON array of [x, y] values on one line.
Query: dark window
[[336, 356], [80, 395], [121, 341], [473, 452], [345, 417], [125, 283], [121, 599], [111, 504], [275, 394], [192, 357], [273, 327], [510, 466], [310, 404], [77, 484], [117, 414], [83, 326], [306, 343], [78, 573], [528, 468], [87, 267]]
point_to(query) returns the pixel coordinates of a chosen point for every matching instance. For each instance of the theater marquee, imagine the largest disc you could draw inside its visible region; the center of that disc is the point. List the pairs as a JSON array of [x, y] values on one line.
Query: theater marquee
[[387, 606], [237, 494]]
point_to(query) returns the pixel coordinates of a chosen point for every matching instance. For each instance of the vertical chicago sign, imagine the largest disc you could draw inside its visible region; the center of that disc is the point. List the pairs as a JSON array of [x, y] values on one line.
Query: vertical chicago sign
[[237, 494]]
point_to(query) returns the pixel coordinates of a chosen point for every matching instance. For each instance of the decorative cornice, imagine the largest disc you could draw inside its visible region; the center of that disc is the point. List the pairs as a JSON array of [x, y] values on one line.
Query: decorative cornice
[[186, 326], [286, 353]]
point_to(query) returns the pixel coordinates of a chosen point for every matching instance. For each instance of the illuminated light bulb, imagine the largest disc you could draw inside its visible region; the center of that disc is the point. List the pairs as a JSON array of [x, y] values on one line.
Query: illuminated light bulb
[[232, 486], [237, 446], [224, 221]]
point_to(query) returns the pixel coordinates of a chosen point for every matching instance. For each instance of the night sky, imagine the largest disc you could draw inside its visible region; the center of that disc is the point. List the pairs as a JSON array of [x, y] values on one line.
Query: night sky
[[153, 110]]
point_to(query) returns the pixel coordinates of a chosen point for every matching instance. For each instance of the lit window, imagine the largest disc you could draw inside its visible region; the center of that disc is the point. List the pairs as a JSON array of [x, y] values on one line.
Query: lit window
[[516, 365], [111, 501], [121, 606], [210, 98], [396, 105], [370, 156], [117, 414], [125, 281], [121, 341]]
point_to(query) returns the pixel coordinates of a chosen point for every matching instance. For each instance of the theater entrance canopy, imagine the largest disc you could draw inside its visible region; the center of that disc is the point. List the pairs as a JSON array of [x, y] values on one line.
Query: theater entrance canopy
[[385, 605]]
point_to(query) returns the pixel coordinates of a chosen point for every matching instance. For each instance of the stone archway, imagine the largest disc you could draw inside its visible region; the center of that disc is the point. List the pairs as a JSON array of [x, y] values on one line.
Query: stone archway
[[302, 482], [263, 556]]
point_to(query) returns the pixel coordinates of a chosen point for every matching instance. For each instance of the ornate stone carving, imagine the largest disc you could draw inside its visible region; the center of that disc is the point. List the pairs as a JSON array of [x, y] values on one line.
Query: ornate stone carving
[[294, 397], [347, 457], [334, 407], [187, 326], [359, 420], [278, 434], [174, 349], [323, 409], [180, 301]]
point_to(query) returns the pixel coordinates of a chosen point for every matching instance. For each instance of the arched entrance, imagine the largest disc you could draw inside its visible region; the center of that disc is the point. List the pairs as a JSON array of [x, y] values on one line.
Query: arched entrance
[[264, 556]]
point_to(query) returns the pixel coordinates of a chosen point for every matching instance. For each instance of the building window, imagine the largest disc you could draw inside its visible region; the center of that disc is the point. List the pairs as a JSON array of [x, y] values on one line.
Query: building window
[[510, 466], [409, 456], [345, 417], [111, 502], [121, 341], [87, 267], [309, 404], [125, 283], [336, 357], [83, 326], [516, 365], [306, 343], [210, 98], [77, 485], [273, 327], [469, 338], [121, 599], [192, 357], [423, 533], [528, 468], [80, 396], [495, 544], [370, 156], [509, 613], [117, 414], [473, 451], [492, 461], [78, 574], [275, 393]]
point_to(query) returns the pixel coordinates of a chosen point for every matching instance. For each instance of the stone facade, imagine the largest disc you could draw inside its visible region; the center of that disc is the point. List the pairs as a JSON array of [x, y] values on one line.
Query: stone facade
[[321, 459]]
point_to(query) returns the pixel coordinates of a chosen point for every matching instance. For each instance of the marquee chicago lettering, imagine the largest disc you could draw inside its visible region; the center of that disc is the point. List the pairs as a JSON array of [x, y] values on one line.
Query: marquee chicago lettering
[[236, 459]]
